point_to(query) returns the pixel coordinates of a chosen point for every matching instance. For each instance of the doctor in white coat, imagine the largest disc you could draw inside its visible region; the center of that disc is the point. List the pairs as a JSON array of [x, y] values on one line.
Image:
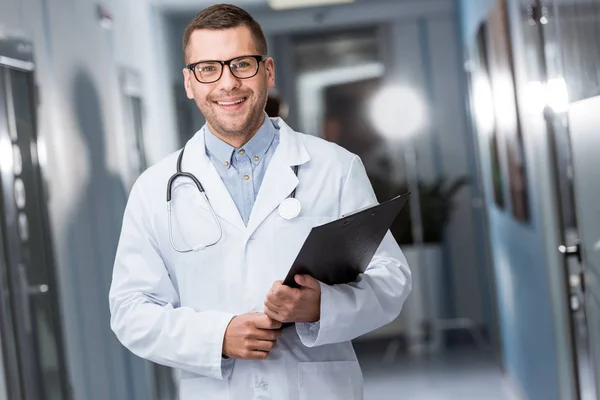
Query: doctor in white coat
[[216, 312]]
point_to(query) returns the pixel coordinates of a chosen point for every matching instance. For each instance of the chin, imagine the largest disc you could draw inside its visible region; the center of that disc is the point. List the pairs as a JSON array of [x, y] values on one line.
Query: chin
[[235, 128]]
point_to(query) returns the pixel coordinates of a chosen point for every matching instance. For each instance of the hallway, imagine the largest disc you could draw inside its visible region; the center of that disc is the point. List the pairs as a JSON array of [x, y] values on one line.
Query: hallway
[[464, 373], [486, 111]]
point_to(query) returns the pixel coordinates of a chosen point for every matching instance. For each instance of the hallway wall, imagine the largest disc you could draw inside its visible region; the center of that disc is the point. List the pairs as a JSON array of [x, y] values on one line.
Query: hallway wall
[[531, 302], [83, 147]]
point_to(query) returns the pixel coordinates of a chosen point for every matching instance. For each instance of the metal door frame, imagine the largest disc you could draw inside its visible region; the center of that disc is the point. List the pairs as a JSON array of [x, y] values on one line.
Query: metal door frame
[[7, 329], [17, 55]]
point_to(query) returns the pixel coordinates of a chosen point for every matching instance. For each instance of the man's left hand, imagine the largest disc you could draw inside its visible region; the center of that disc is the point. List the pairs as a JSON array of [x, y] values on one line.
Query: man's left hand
[[286, 304]]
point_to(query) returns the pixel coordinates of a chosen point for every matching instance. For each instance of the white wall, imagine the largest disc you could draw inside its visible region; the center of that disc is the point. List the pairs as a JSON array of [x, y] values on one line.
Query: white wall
[[82, 146], [141, 44]]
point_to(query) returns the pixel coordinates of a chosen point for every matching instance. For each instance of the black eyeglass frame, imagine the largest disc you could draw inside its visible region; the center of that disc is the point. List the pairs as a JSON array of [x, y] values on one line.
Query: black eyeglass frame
[[258, 58]]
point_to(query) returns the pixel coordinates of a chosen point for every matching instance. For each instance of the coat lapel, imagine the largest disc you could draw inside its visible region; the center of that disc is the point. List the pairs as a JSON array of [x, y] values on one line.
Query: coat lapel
[[197, 162], [279, 180]]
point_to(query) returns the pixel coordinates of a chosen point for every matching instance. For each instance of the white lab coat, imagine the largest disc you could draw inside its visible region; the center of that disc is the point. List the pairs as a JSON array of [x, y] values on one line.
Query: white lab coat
[[174, 308]]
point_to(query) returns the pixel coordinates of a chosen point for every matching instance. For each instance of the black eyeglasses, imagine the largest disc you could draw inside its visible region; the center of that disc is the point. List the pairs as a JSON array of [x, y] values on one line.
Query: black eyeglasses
[[210, 71]]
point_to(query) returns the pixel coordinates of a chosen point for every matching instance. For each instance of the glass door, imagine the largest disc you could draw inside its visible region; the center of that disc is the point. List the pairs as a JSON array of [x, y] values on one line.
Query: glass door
[[568, 50], [572, 54], [30, 323]]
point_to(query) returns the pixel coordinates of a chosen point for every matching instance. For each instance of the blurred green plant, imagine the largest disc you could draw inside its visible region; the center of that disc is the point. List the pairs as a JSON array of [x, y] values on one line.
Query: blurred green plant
[[437, 201]]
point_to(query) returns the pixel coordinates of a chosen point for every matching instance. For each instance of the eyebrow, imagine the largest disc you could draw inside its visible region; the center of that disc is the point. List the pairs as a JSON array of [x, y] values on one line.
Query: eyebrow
[[231, 59]]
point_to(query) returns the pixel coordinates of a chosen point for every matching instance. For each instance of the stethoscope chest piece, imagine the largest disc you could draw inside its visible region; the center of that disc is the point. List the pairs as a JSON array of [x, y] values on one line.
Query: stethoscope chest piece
[[289, 208]]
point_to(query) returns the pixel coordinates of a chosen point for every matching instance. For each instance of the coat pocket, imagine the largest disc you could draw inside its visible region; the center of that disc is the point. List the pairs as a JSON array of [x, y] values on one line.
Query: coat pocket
[[332, 380], [203, 388]]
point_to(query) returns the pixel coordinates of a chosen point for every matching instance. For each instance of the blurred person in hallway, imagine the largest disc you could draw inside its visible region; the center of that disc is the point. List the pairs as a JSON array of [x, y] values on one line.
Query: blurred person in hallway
[[196, 285], [276, 106]]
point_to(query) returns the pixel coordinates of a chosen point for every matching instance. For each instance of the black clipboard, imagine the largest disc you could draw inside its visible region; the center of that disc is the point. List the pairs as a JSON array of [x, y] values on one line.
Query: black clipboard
[[338, 251]]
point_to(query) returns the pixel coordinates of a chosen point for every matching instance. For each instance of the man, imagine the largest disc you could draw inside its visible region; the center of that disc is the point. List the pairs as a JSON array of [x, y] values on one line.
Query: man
[[197, 287]]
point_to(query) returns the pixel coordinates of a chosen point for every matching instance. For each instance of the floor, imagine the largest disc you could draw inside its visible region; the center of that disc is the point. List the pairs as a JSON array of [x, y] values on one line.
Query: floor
[[464, 373]]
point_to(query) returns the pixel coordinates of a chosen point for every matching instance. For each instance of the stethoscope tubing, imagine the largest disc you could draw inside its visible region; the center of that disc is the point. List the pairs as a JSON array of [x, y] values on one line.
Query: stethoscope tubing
[[181, 174]]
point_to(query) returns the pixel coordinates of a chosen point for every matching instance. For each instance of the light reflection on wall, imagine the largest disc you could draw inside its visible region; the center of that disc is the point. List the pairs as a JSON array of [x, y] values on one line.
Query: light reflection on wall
[[504, 102], [553, 94], [6, 155], [483, 104]]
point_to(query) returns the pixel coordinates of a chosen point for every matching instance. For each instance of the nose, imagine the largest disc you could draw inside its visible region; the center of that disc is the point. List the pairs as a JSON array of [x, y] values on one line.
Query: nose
[[228, 81]]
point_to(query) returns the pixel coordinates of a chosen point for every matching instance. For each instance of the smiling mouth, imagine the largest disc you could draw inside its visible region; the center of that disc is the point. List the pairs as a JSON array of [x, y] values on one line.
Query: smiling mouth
[[231, 103]]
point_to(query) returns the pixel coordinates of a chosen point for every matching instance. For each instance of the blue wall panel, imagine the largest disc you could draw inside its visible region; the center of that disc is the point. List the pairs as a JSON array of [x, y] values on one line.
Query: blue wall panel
[[521, 270]]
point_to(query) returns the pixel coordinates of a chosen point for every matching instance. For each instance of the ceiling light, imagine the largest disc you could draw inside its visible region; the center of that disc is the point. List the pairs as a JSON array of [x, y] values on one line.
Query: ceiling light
[[288, 4]]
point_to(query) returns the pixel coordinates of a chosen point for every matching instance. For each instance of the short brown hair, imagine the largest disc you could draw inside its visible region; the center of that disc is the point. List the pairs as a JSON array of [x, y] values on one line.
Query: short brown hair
[[225, 16]]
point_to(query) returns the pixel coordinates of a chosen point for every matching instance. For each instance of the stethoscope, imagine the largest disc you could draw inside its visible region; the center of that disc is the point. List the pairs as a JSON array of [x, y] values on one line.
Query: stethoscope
[[288, 209]]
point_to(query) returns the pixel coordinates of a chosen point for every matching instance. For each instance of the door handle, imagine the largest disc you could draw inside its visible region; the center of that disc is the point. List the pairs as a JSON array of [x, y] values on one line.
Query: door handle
[[571, 251], [28, 290]]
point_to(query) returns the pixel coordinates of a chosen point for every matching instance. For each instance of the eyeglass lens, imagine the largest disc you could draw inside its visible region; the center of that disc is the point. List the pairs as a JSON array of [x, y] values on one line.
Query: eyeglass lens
[[244, 67]]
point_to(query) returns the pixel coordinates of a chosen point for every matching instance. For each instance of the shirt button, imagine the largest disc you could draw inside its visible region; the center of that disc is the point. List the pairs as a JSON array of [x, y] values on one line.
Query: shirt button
[[246, 177], [242, 152], [256, 158], [227, 163]]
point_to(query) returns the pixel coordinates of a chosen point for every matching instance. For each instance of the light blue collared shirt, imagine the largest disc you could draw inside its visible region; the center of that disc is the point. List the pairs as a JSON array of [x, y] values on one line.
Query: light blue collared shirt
[[242, 170]]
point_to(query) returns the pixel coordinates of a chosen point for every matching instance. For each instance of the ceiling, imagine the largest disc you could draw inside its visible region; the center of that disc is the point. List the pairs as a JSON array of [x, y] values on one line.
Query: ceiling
[[197, 5], [185, 7]]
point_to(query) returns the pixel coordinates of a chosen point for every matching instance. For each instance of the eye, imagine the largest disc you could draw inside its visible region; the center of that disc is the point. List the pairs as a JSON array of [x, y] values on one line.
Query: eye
[[241, 65]]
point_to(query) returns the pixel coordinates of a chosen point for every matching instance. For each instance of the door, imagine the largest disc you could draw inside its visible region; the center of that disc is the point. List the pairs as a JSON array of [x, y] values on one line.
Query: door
[[569, 36], [584, 121], [29, 321]]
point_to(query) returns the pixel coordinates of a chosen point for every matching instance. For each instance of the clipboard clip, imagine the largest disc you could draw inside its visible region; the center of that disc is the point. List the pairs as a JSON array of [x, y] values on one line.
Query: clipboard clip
[[359, 210]]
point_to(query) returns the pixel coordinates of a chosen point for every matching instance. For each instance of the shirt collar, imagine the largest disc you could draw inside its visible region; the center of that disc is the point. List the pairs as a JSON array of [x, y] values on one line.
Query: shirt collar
[[255, 148]]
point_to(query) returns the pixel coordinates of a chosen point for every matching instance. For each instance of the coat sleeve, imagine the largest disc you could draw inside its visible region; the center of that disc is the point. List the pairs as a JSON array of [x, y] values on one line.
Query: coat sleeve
[[146, 314], [376, 297]]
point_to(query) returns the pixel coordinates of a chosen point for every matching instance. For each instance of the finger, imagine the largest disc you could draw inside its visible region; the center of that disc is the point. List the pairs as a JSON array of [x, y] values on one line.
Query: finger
[[285, 293], [264, 321], [262, 345], [283, 312], [273, 299], [308, 282], [254, 355], [275, 306], [261, 321], [274, 316], [276, 285], [268, 334]]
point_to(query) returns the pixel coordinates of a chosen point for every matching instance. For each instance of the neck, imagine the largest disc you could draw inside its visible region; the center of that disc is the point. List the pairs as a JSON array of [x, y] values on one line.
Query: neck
[[237, 140]]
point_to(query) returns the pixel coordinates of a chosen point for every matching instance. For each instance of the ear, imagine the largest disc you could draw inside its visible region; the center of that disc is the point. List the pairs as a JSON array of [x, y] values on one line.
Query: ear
[[187, 77], [270, 67]]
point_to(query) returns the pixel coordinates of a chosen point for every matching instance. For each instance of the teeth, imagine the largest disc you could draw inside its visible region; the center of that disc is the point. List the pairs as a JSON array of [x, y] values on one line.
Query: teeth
[[230, 103]]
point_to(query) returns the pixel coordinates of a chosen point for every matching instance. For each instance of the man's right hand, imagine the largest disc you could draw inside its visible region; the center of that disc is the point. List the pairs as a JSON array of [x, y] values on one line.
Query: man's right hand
[[251, 336]]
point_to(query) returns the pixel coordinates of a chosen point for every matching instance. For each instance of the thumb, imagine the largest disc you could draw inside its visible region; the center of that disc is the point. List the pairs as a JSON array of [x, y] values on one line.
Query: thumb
[[307, 281]]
